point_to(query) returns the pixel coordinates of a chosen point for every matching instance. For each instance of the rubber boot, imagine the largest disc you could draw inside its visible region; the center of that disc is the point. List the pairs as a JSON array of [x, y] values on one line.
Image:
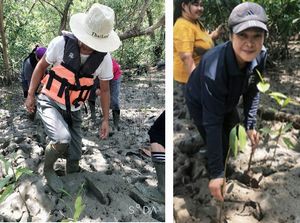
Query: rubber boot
[[93, 111], [72, 166], [116, 119], [156, 194], [160, 173], [52, 153]]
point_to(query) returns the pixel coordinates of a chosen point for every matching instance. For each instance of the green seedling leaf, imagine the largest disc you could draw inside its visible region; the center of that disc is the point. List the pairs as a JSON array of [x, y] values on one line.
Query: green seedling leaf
[[274, 133], [4, 181], [287, 127], [288, 143], [286, 102], [280, 98], [66, 193], [233, 141], [8, 191], [278, 95], [22, 170], [265, 130], [79, 207], [242, 137], [260, 76], [293, 102], [263, 87]]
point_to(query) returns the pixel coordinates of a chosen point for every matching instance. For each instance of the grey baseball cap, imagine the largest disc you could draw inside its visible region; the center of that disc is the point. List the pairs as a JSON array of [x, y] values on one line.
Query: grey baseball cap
[[247, 15]]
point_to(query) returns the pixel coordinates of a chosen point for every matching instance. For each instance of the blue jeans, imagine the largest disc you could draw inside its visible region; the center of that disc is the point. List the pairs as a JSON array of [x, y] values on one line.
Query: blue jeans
[[115, 86]]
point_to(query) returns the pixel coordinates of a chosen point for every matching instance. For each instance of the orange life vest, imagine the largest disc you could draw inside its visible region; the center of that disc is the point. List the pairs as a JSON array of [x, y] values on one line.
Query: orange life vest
[[70, 83]]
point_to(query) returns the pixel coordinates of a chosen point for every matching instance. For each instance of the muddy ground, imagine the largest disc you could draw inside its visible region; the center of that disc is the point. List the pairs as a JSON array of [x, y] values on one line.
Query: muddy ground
[[275, 196], [111, 168]]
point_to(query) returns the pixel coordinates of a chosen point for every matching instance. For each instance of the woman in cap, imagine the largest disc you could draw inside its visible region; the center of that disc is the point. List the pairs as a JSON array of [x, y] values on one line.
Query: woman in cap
[[77, 59], [225, 73]]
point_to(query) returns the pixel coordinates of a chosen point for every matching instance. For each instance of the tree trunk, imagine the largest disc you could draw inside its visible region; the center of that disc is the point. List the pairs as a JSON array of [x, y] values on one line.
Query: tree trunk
[[268, 114], [4, 46], [64, 19]]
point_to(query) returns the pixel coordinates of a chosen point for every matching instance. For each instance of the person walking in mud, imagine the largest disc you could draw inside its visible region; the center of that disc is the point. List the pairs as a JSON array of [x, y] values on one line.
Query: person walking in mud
[[225, 73], [114, 86], [190, 38], [77, 59], [29, 64]]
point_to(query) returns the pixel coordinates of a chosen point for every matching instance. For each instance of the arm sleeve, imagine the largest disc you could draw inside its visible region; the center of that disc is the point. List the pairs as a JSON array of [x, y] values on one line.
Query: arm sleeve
[[105, 70], [213, 102], [252, 95], [55, 50]]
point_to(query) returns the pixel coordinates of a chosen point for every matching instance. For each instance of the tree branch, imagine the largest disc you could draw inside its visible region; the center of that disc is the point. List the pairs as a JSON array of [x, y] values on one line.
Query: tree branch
[[135, 32], [54, 6]]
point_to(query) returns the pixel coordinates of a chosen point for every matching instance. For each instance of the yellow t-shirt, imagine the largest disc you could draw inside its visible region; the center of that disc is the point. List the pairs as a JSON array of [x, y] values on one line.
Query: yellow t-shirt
[[188, 37]]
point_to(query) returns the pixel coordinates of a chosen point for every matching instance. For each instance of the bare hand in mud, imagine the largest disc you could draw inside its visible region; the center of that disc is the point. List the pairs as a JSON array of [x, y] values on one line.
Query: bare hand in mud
[[215, 186], [254, 138], [30, 103], [104, 130]]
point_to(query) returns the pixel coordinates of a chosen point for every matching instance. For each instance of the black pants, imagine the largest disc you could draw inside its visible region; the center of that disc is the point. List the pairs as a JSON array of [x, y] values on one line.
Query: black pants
[[157, 130], [230, 120]]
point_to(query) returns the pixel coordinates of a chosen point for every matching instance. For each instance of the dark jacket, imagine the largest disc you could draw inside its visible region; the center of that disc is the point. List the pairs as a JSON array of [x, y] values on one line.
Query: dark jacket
[[215, 87]]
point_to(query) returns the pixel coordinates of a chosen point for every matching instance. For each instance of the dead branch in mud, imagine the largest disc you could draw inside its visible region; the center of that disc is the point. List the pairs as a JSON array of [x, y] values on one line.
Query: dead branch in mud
[[269, 114]]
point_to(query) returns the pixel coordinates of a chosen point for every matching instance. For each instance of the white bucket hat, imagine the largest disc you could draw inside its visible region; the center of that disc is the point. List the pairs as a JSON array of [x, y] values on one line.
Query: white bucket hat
[[95, 28]]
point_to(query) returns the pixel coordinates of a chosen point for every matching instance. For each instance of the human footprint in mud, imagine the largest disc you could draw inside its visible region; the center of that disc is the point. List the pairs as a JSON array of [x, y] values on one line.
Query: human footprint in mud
[[224, 74], [77, 59]]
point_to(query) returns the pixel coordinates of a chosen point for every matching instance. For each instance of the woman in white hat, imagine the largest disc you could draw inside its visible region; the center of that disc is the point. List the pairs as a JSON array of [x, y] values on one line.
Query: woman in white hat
[[77, 59]]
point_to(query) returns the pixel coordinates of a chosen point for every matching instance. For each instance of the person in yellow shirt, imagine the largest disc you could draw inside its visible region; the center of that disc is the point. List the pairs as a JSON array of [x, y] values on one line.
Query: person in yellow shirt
[[190, 38]]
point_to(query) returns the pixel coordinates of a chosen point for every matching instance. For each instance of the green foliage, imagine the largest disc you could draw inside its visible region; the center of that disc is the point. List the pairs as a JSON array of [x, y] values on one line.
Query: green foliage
[[8, 183], [79, 206], [237, 139], [283, 20], [28, 23], [282, 100]]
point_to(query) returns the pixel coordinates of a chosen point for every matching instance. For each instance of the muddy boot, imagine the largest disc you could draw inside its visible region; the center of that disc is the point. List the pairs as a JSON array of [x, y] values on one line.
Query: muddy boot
[[156, 194], [52, 153], [116, 119], [72, 166], [160, 173]]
